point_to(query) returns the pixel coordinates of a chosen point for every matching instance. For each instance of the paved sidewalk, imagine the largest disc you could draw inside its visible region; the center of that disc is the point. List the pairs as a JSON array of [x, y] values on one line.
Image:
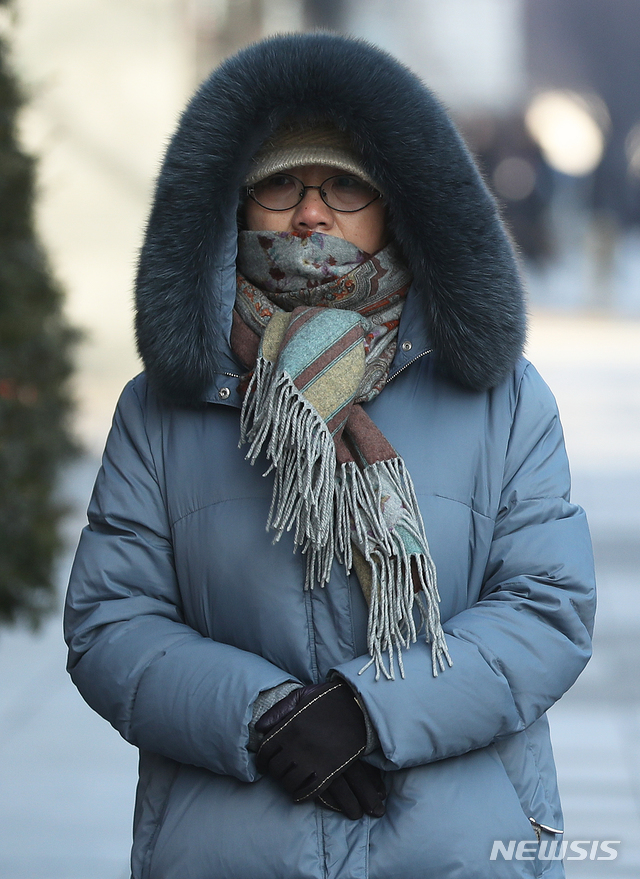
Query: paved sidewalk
[[593, 367], [67, 779]]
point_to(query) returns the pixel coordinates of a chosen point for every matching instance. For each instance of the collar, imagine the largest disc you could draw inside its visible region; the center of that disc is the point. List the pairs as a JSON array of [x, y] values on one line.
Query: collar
[[413, 343], [413, 336]]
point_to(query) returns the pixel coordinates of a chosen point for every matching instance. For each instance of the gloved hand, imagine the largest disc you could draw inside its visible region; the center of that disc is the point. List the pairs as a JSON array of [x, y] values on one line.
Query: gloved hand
[[312, 736], [279, 711], [360, 789]]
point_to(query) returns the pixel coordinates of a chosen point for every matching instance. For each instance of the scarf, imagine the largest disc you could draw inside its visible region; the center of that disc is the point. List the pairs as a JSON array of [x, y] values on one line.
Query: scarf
[[316, 321]]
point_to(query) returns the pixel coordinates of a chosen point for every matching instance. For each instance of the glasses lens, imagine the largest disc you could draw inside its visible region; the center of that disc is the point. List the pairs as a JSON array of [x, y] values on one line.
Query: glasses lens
[[280, 192], [348, 193]]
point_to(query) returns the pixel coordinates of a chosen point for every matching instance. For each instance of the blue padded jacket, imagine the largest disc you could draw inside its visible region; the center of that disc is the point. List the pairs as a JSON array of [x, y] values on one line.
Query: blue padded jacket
[[181, 610]]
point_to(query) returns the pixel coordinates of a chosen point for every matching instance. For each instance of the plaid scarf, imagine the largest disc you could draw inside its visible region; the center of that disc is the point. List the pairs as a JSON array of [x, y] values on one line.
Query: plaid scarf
[[316, 351]]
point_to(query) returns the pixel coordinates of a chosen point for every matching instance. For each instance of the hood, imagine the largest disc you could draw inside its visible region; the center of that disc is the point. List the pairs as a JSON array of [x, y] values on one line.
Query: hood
[[442, 216]]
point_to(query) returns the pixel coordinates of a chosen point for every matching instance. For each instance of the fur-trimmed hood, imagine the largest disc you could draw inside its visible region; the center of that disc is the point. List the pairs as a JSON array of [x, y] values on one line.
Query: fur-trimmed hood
[[442, 216]]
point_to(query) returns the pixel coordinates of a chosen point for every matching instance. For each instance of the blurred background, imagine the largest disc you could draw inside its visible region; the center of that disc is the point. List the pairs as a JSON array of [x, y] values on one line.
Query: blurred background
[[547, 95]]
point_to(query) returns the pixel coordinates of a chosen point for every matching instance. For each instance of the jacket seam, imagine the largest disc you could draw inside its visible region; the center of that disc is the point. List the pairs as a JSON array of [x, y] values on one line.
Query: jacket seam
[[151, 846], [239, 497], [322, 849], [311, 636], [536, 764], [244, 497], [315, 672], [454, 500], [156, 476], [367, 846], [542, 497], [512, 416], [352, 628], [143, 414]]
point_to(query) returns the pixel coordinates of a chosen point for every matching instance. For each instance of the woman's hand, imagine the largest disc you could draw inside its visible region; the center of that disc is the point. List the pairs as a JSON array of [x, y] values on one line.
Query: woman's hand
[[359, 790], [313, 739]]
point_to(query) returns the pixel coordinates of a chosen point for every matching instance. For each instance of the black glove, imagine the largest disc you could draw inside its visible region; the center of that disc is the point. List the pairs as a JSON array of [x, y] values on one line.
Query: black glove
[[360, 789], [272, 717], [311, 737]]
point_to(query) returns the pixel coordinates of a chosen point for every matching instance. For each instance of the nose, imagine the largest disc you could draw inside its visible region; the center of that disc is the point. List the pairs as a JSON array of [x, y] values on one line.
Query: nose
[[312, 214]]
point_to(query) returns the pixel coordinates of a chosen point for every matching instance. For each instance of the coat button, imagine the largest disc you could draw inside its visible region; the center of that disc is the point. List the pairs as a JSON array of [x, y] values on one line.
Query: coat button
[[224, 393], [407, 346]]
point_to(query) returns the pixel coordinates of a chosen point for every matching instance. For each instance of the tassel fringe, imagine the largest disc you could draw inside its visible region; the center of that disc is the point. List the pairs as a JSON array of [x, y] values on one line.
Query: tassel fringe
[[395, 551], [329, 511], [276, 418]]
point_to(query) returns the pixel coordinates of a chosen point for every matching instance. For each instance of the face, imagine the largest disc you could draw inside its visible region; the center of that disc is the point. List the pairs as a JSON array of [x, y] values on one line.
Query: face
[[366, 228]]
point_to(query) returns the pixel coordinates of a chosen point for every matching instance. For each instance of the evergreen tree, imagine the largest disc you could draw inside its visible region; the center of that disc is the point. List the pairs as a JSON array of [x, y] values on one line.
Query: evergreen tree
[[35, 365]]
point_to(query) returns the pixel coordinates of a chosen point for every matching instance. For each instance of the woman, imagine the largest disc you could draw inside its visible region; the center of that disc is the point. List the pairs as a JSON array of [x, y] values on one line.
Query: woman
[[372, 704]]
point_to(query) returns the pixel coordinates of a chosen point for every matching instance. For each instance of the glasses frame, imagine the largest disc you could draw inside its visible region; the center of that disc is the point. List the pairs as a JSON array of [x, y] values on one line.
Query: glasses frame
[[303, 192]]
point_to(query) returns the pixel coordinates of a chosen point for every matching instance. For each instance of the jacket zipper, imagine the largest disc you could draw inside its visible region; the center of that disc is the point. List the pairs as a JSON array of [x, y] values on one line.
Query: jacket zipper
[[402, 368], [537, 826], [413, 360]]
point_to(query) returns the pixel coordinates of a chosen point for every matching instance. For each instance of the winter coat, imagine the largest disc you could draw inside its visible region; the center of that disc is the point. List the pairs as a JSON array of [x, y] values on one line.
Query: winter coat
[[181, 610]]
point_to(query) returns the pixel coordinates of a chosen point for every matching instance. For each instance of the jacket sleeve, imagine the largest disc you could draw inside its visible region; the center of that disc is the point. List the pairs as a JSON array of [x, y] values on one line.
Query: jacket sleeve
[[160, 683], [528, 637]]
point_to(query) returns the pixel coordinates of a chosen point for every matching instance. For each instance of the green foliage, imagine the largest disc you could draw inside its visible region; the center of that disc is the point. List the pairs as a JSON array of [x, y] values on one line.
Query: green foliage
[[35, 365]]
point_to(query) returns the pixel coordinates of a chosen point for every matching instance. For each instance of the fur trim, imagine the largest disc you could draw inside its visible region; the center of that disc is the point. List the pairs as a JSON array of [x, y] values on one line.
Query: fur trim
[[443, 217]]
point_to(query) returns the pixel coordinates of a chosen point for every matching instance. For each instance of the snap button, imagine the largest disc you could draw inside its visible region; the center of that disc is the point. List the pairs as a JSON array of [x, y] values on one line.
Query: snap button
[[407, 346], [224, 393]]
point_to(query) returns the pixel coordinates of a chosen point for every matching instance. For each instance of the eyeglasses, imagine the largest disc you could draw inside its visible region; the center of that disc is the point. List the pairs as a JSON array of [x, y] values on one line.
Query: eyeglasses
[[343, 192]]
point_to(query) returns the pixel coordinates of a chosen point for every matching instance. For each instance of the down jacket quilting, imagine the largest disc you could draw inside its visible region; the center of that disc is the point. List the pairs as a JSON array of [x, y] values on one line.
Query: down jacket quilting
[[181, 610]]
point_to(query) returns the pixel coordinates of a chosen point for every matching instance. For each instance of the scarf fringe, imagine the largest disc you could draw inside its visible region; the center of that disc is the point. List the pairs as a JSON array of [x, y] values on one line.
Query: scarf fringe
[[276, 418], [329, 507], [394, 594]]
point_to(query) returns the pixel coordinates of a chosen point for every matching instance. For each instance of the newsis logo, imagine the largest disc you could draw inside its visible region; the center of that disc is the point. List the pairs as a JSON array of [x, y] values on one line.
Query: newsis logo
[[555, 850]]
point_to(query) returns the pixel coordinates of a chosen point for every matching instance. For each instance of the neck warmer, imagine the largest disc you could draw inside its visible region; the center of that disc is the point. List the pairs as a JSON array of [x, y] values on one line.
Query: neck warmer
[[316, 321]]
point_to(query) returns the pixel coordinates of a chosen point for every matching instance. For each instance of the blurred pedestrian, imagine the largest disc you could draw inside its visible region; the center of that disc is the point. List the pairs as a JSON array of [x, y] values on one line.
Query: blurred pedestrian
[[325, 279]]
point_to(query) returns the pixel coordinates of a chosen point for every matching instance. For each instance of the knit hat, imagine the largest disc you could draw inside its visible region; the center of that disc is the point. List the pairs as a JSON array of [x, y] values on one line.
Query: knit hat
[[293, 145]]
